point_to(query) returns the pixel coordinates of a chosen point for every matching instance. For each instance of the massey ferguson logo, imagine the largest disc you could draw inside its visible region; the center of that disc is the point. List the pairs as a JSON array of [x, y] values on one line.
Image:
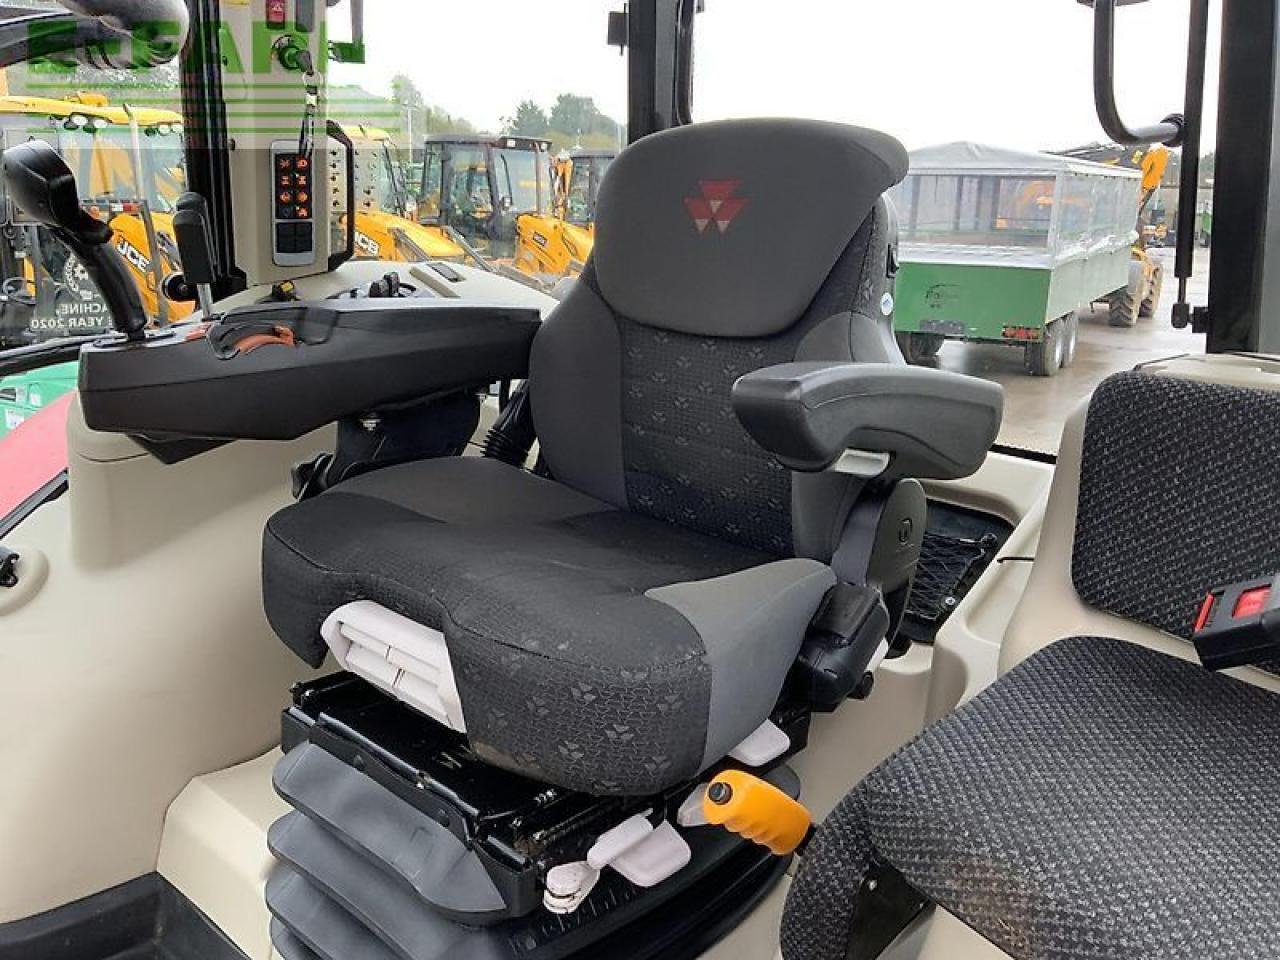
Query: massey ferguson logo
[[717, 204]]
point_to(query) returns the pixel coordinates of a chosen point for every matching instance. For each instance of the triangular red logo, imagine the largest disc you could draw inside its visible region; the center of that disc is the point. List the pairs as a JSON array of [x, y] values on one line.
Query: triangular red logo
[[717, 204]]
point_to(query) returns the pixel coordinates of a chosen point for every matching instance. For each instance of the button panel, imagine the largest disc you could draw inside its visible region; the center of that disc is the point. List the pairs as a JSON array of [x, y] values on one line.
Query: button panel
[[292, 214]]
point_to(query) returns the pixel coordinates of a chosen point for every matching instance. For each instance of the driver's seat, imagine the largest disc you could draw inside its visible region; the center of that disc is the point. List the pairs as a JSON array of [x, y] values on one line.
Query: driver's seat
[[625, 620]]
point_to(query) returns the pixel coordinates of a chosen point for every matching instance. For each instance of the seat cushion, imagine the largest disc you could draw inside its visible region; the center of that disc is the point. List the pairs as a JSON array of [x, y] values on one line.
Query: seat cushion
[[1099, 802], [592, 647]]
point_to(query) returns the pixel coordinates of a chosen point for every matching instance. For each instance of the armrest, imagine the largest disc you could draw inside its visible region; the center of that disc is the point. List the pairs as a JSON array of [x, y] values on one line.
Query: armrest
[[934, 424]]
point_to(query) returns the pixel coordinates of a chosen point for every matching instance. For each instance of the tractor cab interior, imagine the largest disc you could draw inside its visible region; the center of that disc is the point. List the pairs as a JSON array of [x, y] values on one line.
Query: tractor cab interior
[[569, 562]]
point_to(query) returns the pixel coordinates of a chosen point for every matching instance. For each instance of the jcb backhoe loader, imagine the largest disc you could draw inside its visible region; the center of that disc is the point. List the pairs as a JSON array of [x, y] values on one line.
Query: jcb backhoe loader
[[385, 229], [502, 196]]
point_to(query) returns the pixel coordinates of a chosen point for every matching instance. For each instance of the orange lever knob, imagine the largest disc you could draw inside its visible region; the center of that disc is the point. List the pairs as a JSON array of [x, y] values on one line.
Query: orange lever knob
[[756, 810]]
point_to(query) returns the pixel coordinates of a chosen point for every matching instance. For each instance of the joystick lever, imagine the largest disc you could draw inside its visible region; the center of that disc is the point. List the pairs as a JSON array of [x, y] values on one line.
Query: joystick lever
[[42, 185], [195, 247]]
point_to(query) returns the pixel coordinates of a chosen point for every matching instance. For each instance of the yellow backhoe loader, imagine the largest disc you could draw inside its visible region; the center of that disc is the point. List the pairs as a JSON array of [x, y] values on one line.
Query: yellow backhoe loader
[[131, 163], [385, 228], [510, 202]]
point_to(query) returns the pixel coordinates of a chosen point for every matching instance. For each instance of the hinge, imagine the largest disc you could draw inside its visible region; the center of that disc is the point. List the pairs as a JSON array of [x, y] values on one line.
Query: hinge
[[618, 29]]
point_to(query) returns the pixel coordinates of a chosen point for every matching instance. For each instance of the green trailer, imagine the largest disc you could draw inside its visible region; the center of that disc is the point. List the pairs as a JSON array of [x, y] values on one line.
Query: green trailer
[[26, 394], [1002, 246]]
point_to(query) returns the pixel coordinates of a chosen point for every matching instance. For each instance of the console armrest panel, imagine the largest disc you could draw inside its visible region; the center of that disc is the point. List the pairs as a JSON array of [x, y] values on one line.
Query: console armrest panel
[[934, 424], [277, 371]]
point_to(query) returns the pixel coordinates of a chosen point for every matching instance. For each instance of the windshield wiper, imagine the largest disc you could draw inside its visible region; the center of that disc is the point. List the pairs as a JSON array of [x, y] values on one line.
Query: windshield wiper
[[24, 359]]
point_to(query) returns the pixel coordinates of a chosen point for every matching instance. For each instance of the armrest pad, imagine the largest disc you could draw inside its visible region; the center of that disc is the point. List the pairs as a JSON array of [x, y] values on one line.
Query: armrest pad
[[934, 424]]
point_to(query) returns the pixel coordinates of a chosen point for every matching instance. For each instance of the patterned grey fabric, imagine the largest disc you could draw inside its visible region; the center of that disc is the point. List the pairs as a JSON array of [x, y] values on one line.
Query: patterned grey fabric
[[1179, 493], [1099, 802], [567, 672], [686, 458]]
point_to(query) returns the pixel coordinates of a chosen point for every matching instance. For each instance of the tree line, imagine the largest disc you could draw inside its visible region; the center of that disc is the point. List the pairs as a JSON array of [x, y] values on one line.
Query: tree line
[[571, 121]]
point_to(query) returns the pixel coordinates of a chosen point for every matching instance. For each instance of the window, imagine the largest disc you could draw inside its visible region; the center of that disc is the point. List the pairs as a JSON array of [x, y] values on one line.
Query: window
[[975, 210], [584, 186], [472, 127], [121, 134], [520, 176], [1032, 249]]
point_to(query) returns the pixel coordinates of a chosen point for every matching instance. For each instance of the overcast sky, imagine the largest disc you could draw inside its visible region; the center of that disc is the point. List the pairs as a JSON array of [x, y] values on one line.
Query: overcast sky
[[1008, 72]]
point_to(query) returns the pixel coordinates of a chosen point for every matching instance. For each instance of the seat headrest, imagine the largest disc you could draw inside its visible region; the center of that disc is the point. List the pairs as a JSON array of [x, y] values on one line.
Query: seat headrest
[[729, 229]]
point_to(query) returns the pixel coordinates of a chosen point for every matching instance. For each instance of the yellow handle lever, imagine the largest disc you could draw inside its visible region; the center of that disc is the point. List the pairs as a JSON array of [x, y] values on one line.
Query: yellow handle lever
[[756, 810]]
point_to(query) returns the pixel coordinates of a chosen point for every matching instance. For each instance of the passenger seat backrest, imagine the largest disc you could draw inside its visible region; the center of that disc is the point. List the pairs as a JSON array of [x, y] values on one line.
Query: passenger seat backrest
[[1179, 492], [720, 248], [1168, 488]]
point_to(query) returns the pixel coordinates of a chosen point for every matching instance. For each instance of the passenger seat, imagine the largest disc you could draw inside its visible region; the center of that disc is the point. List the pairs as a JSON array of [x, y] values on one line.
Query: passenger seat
[[1105, 798]]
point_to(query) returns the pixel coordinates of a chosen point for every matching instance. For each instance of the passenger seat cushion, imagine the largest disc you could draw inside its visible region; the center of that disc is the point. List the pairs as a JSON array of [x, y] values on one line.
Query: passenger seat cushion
[[1099, 802], [573, 664], [1178, 494]]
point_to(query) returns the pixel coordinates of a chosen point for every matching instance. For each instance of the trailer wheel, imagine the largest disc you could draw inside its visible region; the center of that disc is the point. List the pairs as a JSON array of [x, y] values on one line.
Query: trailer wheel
[[1151, 303], [1044, 357], [918, 348], [1070, 338], [1122, 309]]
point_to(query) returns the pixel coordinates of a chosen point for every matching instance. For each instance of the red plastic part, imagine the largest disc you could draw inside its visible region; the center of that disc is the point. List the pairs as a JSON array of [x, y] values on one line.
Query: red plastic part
[[1251, 603], [33, 454], [1206, 609]]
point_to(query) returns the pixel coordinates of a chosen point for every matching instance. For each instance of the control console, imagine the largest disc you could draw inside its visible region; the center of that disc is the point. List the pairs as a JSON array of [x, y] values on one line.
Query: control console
[[293, 227], [276, 371]]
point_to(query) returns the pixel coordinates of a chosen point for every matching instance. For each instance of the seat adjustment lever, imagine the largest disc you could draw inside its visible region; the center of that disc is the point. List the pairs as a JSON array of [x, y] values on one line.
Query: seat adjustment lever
[[757, 811]]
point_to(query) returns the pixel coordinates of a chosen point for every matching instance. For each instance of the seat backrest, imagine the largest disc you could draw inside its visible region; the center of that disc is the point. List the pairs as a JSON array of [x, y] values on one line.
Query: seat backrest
[[720, 248], [1166, 487]]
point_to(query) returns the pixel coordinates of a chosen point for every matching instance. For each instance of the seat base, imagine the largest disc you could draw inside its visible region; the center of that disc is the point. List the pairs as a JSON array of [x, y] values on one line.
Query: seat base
[[377, 788]]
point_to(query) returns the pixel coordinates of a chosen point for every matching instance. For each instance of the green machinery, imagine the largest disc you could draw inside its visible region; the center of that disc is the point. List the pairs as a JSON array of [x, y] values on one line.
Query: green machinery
[[1001, 246]]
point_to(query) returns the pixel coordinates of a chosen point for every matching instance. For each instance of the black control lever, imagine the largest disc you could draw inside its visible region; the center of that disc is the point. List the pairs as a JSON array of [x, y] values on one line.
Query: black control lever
[[43, 186], [195, 248]]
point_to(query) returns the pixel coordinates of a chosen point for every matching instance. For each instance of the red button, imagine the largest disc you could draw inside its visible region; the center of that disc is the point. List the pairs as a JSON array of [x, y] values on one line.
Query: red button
[[1251, 603]]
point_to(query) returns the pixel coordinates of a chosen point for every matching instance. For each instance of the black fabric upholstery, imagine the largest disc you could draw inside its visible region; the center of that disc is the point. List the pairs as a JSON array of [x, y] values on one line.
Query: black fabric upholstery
[[1099, 802], [566, 670], [1179, 493], [687, 458]]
